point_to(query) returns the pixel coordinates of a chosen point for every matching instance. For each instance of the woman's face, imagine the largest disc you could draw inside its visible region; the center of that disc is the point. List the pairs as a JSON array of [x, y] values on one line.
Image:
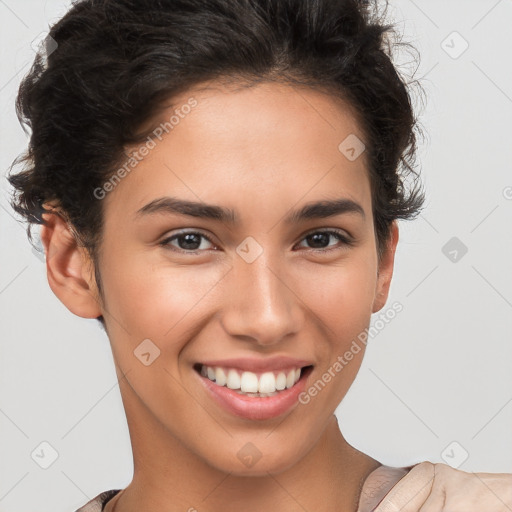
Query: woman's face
[[269, 289]]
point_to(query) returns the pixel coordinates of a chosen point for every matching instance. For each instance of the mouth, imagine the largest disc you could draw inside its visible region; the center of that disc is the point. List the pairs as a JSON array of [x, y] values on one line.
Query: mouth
[[253, 384], [254, 393]]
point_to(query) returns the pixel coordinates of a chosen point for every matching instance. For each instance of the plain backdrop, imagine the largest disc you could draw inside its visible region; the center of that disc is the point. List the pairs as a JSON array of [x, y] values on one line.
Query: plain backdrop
[[436, 382]]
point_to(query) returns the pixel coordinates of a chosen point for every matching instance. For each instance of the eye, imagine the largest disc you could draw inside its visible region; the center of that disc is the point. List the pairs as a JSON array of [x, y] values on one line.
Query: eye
[[320, 240], [189, 241]]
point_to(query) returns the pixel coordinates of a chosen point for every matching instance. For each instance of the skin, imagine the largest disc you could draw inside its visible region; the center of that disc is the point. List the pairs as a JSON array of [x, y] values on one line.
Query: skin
[[261, 151], [438, 487]]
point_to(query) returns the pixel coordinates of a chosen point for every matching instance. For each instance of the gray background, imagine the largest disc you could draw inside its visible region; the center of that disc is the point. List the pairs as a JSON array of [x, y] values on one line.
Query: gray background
[[435, 382]]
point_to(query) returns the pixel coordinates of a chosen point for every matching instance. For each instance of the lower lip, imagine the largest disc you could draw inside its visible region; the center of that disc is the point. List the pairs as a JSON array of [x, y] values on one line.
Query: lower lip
[[256, 408]]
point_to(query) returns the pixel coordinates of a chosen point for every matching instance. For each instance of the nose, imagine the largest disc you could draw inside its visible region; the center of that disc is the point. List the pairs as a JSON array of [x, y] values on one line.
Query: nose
[[260, 303]]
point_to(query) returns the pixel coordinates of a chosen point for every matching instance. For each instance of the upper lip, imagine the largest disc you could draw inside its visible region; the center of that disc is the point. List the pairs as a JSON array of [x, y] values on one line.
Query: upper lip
[[266, 364]]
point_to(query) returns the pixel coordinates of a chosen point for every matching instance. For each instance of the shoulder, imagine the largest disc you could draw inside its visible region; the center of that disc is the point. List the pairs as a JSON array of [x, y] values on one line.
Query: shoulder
[[435, 486], [97, 503]]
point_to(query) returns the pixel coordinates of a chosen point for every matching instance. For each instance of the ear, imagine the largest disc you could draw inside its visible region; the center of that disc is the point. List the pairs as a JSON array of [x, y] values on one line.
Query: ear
[[69, 268], [385, 272]]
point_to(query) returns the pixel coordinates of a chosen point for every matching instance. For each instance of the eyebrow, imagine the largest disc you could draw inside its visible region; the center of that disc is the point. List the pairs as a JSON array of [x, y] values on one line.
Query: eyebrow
[[313, 210]]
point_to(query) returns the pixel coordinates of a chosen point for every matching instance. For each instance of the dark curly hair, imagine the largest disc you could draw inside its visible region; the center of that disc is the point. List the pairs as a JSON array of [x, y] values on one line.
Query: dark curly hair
[[109, 64]]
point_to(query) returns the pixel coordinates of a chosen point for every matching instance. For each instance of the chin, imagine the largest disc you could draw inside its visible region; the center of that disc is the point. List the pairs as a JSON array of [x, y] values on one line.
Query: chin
[[250, 461]]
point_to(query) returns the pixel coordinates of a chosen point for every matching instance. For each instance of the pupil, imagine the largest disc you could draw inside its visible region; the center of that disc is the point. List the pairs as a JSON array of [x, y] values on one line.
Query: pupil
[[319, 237], [189, 239]]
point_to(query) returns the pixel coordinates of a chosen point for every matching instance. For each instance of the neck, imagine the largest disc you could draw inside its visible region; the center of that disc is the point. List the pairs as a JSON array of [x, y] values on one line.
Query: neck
[[168, 477]]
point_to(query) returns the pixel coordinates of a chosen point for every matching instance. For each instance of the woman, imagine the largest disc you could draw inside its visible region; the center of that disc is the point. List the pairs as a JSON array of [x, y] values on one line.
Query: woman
[[219, 184]]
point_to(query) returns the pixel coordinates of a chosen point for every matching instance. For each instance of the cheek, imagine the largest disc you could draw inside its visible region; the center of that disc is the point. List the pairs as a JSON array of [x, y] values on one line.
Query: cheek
[[156, 301], [151, 298], [342, 296], [341, 299]]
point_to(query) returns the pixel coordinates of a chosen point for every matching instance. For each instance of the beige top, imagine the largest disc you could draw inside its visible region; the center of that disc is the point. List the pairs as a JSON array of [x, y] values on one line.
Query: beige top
[[377, 484]]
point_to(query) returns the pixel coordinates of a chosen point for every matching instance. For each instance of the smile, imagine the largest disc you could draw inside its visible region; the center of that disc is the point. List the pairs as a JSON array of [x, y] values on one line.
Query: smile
[[250, 383], [254, 389]]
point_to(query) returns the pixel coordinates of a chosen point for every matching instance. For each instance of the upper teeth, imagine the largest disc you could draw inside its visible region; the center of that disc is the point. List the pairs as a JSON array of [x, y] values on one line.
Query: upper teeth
[[249, 382]]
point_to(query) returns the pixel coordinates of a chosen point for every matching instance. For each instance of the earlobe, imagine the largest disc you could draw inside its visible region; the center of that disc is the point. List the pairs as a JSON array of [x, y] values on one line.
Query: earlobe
[[385, 273], [69, 269]]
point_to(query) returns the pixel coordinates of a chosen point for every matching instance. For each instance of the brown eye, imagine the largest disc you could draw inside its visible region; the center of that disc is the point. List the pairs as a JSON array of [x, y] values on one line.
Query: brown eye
[[319, 240], [186, 242]]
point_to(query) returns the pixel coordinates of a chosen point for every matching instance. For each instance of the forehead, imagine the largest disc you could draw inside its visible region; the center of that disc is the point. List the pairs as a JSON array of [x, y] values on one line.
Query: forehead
[[268, 142], [265, 112]]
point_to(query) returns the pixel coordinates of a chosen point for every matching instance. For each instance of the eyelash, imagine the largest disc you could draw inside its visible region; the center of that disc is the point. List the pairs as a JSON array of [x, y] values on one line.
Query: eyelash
[[345, 240]]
